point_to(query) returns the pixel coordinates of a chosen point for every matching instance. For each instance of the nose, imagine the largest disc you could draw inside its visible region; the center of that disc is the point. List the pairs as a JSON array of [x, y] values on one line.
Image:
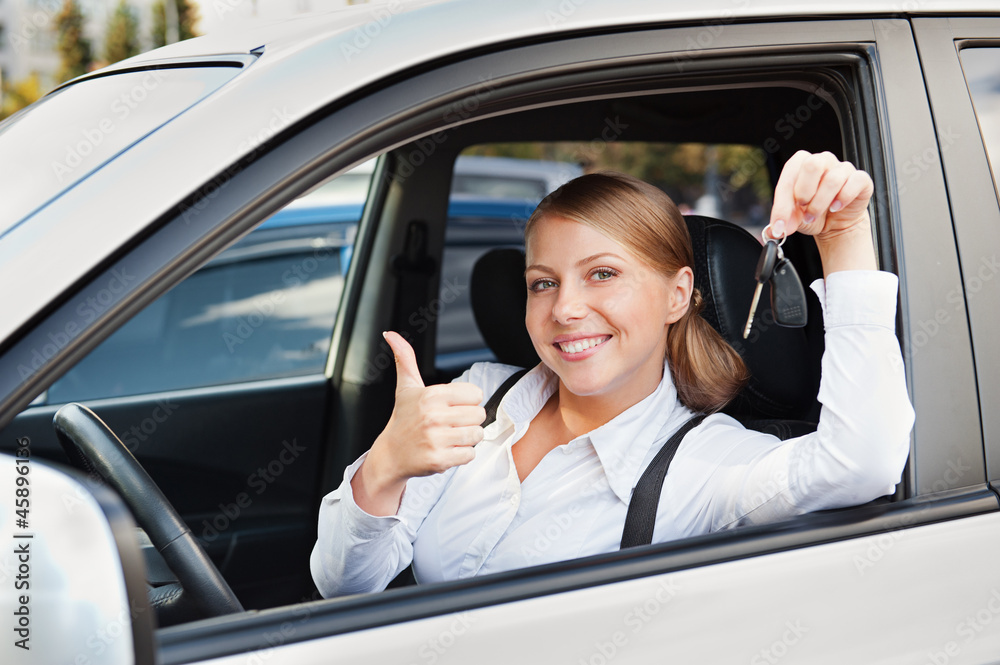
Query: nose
[[570, 304]]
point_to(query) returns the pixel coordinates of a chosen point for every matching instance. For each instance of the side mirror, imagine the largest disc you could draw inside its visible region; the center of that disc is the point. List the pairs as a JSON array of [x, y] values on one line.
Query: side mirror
[[71, 572]]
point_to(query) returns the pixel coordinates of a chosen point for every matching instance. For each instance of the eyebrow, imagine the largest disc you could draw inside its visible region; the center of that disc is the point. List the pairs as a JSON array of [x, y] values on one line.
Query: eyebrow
[[581, 262]]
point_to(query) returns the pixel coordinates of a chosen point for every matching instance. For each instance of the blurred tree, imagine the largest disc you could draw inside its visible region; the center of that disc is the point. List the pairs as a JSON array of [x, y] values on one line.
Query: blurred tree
[[121, 40], [75, 53], [187, 21], [19, 94]]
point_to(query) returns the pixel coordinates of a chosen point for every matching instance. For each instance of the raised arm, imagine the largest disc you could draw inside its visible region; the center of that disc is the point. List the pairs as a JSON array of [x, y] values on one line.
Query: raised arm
[[819, 195]]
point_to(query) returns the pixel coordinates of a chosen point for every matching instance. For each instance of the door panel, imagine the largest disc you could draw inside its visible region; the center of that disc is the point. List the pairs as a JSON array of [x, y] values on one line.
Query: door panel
[[240, 465], [973, 195]]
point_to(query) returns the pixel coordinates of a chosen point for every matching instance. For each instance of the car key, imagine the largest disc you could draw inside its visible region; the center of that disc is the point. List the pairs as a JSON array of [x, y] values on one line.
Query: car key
[[769, 258], [788, 298]]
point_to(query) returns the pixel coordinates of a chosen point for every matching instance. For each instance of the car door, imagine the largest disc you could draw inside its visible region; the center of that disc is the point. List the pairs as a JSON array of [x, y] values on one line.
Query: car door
[[911, 580], [219, 389]]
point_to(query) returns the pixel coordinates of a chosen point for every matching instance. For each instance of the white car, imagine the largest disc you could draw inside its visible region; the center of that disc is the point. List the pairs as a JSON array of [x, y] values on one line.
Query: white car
[[121, 184]]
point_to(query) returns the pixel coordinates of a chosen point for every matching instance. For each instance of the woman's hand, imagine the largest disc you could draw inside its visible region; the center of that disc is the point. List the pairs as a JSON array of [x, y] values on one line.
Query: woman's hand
[[819, 195], [432, 428]]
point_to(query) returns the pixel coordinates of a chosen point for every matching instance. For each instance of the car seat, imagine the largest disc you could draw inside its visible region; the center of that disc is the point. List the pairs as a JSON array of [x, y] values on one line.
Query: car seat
[[780, 397]]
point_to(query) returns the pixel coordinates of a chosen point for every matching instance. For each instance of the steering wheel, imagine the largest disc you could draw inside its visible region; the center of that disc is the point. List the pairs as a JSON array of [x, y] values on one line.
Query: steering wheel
[[93, 447]]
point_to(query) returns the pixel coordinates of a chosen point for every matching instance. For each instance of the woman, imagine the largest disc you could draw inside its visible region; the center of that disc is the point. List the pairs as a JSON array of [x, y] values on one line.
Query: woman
[[626, 360]]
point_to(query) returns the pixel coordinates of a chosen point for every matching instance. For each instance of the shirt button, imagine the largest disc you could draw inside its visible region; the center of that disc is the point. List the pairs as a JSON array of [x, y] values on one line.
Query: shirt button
[[513, 500]]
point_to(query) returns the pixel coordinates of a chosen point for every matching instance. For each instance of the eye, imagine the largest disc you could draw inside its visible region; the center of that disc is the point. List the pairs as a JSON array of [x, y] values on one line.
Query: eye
[[543, 284], [603, 274]]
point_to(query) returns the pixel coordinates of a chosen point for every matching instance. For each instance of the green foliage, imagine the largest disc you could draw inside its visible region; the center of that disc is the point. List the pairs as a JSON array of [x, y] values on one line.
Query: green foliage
[[19, 94], [121, 40], [75, 54], [737, 174], [187, 21]]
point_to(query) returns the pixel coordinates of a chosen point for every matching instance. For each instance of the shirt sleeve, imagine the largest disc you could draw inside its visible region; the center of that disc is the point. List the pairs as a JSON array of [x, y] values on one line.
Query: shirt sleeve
[[359, 553], [735, 476]]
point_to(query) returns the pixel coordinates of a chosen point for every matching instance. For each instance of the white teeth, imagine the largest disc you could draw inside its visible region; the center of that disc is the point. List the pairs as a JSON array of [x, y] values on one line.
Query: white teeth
[[580, 344]]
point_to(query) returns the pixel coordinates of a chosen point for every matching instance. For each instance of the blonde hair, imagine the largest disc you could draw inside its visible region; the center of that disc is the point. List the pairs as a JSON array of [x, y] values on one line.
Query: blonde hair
[[706, 370]]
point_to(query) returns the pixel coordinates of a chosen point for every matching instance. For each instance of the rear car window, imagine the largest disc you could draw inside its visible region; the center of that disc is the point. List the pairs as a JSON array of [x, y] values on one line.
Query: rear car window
[[982, 74], [496, 186]]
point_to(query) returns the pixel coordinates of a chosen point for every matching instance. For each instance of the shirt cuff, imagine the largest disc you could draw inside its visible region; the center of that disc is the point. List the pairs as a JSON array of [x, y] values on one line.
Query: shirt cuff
[[359, 523], [858, 297]]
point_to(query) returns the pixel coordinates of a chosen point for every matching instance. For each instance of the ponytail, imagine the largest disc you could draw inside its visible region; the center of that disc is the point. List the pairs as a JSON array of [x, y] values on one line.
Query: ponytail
[[707, 372]]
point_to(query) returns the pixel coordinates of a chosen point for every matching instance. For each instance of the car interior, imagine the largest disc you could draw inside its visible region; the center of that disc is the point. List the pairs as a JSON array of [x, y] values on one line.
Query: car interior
[[218, 444]]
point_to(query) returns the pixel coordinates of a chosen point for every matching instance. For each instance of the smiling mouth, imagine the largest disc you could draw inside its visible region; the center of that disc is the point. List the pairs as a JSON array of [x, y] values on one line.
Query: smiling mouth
[[580, 345]]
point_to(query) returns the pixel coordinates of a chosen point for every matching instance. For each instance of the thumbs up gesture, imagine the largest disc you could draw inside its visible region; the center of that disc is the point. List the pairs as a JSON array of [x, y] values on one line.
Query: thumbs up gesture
[[432, 428]]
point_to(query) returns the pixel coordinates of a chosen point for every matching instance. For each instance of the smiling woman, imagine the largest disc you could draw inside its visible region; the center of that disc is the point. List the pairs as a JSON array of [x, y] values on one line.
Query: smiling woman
[[626, 363]]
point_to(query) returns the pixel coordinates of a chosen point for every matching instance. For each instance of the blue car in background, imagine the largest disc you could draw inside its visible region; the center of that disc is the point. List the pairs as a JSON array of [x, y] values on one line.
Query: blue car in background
[[262, 308]]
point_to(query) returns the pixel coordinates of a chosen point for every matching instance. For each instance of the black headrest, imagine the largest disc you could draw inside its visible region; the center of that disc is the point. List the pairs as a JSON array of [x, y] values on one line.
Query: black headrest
[[499, 299], [785, 373]]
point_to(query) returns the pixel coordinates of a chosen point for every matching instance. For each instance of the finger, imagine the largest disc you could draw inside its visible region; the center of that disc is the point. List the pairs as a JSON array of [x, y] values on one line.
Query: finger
[[407, 372], [462, 416], [461, 455], [855, 194], [784, 210], [829, 187], [457, 394], [808, 182], [451, 437]]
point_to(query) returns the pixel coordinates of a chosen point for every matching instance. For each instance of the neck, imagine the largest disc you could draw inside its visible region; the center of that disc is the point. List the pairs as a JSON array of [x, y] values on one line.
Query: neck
[[585, 413]]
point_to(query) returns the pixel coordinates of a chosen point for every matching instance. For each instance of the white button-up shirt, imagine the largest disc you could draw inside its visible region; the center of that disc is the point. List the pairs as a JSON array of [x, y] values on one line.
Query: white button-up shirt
[[479, 518]]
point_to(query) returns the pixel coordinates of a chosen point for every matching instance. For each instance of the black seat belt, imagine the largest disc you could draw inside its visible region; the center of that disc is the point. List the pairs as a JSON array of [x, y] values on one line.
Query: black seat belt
[[641, 517], [494, 401]]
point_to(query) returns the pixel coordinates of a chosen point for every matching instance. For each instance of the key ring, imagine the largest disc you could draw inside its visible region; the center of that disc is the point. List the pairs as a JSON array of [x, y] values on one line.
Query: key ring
[[765, 239]]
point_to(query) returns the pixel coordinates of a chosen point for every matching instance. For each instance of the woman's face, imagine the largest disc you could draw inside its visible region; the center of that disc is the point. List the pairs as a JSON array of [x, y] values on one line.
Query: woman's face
[[597, 315]]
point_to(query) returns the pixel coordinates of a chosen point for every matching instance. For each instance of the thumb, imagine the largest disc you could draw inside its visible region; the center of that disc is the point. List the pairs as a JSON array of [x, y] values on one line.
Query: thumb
[[407, 372]]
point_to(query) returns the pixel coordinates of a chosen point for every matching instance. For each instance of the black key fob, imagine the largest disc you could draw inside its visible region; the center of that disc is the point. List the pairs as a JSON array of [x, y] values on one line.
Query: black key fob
[[788, 298]]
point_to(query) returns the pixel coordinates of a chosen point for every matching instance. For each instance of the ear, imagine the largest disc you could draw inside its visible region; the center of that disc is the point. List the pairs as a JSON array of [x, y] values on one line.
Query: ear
[[682, 286]]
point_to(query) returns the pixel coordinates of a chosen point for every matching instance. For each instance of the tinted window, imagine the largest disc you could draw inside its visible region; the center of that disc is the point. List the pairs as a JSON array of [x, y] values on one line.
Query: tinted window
[[982, 74], [264, 308]]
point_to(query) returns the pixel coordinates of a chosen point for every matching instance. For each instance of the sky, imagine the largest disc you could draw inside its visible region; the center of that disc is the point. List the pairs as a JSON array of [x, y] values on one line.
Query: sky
[[218, 14]]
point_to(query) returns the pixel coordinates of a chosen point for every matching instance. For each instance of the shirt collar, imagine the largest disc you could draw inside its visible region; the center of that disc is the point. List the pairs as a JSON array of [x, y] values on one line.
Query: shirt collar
[[621, 444]]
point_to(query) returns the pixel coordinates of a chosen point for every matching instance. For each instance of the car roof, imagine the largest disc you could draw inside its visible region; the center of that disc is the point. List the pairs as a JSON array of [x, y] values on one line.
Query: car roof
[[509, 19], [346, 50]]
